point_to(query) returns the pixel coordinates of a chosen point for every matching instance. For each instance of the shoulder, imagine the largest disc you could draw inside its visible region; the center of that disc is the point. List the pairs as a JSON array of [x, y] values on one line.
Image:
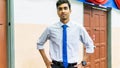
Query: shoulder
[[53, 26], [77, 25]]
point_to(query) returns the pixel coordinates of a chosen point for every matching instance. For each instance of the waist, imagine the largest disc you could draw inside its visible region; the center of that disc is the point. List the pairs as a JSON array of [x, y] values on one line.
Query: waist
[[61, 63]]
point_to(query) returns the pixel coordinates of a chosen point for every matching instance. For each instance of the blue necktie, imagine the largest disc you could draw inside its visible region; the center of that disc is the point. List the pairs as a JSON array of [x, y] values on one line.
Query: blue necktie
[[64, 51]]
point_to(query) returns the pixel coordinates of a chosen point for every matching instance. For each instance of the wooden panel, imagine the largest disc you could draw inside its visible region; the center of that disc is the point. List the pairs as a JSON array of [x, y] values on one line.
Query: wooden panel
[[3, 42], [87, 19], [2, 11], [95, 22], [3, 49], [88, 26], [97, 65]]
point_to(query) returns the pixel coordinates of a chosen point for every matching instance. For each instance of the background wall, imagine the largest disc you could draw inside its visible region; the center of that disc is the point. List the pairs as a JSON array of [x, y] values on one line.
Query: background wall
[[42, 11], [33, 16], [31, 19], [115, 19]]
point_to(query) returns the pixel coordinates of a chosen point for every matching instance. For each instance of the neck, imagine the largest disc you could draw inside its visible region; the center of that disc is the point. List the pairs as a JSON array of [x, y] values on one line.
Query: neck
[[65, 21]]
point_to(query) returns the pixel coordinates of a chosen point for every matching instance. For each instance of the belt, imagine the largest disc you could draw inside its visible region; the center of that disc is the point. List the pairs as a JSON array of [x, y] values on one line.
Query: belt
[[61, 63]]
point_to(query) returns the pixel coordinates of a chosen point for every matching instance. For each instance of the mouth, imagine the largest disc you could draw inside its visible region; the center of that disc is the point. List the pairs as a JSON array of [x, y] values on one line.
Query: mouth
[[63, 15]]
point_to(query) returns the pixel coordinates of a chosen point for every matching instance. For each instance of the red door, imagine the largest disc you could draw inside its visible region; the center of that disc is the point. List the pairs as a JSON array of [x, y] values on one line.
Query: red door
[[95, 22], [3, 46]]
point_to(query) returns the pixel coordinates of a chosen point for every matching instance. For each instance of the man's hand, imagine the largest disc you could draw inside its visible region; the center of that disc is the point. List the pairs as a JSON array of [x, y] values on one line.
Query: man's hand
[[79, 65], [48, 64]]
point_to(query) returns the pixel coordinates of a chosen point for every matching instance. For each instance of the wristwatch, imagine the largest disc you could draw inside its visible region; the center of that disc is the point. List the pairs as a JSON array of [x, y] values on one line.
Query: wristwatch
[[84, 63]]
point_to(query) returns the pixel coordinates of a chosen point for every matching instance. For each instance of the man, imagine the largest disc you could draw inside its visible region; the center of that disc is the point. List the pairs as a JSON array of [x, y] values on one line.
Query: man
[[65, 37]]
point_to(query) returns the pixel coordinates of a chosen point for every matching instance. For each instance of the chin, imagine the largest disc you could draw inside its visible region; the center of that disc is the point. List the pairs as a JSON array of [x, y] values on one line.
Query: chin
[[64, 18]]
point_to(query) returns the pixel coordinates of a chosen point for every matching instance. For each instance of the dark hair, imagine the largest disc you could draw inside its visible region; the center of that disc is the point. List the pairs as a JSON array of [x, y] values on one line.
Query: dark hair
[[59, 2]]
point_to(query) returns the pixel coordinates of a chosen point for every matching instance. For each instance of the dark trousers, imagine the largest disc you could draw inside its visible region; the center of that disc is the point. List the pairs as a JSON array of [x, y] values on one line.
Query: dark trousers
[[56, 66], [60, 65]]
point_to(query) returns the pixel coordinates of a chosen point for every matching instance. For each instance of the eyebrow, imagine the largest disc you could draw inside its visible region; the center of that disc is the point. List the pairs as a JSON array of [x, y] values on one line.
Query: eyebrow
[[62, 7]]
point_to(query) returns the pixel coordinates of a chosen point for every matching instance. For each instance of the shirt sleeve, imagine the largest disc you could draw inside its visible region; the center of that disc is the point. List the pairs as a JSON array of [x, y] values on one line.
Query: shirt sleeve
[[86, 40], [42, 39]]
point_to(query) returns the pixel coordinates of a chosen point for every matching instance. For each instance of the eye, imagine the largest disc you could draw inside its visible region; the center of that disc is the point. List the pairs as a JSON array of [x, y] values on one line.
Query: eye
[[60, 9], [65, 8]]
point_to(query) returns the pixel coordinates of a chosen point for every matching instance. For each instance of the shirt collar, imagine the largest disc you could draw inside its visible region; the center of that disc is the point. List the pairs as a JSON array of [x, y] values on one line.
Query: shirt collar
[[68, 24]]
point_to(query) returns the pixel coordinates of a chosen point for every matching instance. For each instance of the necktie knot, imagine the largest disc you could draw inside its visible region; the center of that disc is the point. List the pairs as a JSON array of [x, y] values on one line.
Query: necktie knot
[[64, 26]]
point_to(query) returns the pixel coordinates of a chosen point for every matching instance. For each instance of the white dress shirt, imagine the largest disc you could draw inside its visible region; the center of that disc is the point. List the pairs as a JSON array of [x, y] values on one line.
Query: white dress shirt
[[75, 34]]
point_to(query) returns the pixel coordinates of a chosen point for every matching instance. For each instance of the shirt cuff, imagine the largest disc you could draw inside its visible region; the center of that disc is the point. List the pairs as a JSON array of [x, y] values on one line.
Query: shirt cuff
[[90, 49], [40, 47]]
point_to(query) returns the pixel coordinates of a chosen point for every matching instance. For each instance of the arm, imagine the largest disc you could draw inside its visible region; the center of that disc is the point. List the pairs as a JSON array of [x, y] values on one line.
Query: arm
[[40, 47], [86, 55], [46, 60], [88, 42], [83, 62], [89, 45]]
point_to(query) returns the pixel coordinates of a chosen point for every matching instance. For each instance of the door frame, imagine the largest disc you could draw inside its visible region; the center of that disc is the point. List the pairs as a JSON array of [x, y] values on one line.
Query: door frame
[[10, 33], [109, 39], [108, 9]]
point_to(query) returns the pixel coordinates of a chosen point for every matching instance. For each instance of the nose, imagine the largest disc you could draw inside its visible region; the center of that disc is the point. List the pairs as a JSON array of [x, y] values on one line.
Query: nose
[[63, 10]]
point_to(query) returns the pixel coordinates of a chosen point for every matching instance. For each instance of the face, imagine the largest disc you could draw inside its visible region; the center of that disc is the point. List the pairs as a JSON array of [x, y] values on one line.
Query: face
[[63, 11]]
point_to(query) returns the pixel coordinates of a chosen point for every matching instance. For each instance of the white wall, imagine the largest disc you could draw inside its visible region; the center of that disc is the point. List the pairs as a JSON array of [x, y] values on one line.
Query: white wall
[[115, 20], [31, 18], [42, 11]]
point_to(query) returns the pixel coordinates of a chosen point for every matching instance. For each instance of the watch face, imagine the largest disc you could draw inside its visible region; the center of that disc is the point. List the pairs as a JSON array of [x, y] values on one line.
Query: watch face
[[84, 63]]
